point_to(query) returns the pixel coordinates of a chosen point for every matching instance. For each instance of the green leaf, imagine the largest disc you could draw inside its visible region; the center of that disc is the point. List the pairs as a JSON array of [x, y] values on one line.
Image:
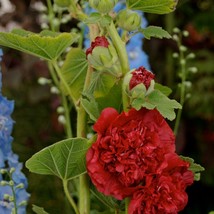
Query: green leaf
[[107, 200], [163, 89], [194, 167], [46, 45], [65, 159], [90, 105], [101, 83], [38, 210], [95, 17], [74, 71], [153, 6], [156, 99], [154, 31]]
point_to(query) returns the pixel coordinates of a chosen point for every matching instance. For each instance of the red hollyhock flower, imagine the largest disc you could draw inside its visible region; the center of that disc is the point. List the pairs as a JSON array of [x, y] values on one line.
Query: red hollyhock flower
[[129, 146], [164, 193], [141, 75], [99, 41]]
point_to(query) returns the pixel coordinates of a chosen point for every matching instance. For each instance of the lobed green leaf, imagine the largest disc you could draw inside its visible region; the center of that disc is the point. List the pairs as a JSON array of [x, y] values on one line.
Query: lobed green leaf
[[46, 45], [64, 159], [152, 6], [154, 31]]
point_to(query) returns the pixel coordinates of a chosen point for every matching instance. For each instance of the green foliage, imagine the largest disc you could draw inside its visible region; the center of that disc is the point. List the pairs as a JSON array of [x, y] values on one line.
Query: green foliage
[[164, 89], [65, 159], [62, 3], [90, 105], [154, 31], [46, 45], [154, 6], [38, 210], [194, 167], [74, 71], [156, 99], [109, 201], [95, 17]]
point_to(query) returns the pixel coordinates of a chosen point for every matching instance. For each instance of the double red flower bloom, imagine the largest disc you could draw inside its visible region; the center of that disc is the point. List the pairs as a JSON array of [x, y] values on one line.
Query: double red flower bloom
[[134, 156]]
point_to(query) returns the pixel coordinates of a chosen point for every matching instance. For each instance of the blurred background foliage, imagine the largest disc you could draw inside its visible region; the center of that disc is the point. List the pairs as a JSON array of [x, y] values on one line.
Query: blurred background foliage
[[35, 113]]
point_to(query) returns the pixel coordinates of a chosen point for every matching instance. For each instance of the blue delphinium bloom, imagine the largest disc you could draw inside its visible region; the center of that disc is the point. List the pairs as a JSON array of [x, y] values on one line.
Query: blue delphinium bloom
[[9, 165]]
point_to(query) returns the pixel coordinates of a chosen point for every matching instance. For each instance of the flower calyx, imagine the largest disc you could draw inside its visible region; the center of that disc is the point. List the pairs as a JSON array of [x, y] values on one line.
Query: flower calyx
[[128, 20], [103, 6]]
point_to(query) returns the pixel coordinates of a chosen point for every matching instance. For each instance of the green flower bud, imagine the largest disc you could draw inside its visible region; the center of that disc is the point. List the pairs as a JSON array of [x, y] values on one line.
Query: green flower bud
[[103, 6], [62, 3], [128, 20]]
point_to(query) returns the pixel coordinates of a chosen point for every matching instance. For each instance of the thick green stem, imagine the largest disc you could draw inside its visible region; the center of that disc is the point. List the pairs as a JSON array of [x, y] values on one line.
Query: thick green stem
[[123, 57], [84, 192], [127, 201], [120, 47], [70, 199]]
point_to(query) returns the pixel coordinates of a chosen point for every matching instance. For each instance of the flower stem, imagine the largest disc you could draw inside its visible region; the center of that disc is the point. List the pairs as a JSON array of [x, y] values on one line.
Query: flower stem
[[84, 192], [70, 199], [127, 200], [182, 91], [123, 56]]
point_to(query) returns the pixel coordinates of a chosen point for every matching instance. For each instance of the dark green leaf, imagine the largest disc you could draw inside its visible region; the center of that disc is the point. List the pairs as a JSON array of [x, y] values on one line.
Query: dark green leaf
[[38, 210], [65, 159], [153, 6], [107, 200], [154, 31], [74, 71], [46, 45], [90, 105]]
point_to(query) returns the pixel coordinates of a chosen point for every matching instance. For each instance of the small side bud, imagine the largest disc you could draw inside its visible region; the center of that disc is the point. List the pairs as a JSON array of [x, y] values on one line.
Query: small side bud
[[128, 20], [176, 30], [12, 170], [61, 119], [103, 6], [3, 183]]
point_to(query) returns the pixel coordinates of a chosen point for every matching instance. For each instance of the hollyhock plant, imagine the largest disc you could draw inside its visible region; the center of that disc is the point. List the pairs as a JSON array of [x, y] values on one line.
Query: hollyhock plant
[[129, 146], [130, 152]]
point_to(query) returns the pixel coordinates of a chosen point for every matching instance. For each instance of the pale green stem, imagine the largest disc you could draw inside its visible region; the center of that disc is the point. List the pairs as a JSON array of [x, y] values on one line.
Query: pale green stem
[[127, 201], [64, 101], [67, 116], [123, 57], [182, 91], [59, 73], [70, 199], [50, 14], [84, 192]]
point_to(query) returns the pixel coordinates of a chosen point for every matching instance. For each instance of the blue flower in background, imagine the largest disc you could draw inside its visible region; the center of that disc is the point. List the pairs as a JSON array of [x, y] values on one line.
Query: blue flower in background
[[9, 160]]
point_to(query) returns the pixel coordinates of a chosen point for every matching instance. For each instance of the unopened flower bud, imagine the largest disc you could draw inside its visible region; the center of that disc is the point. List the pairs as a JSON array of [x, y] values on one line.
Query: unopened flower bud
[[103, 6], [128, 20], [176, 30], [11, 183], [43, 81], [3, 183], [23, 203], [12, 170], [6, 196], [20, 186], [62, 3], [100, 41], [61, 119], [175, 55], [183, 48], [60, 110], [190, 56], [102, 55], [185, 33], [141, 75], [3, 171], [193, 70], [54, 90]]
